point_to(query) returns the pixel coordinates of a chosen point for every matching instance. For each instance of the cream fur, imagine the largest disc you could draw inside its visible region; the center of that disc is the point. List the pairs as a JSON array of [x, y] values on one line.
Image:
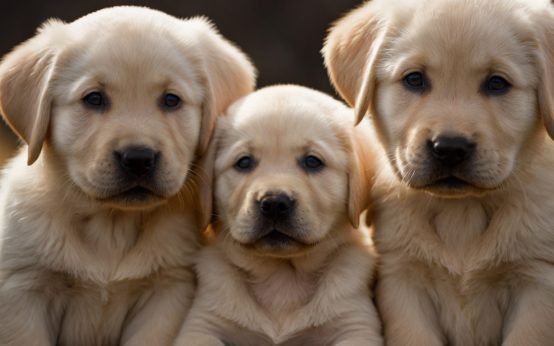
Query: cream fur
[[78, 264], [316, 294], [473, 266]]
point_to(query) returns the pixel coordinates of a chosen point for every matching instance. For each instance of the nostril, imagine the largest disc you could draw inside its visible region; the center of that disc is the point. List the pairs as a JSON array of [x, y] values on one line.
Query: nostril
[[274, 206], [451, 151], [137, 161], [283, 207], [265, 205]]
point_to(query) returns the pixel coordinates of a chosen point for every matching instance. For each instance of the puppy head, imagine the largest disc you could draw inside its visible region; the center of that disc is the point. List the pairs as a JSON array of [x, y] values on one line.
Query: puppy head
[[288, 170], [124, 99], [451, 85]]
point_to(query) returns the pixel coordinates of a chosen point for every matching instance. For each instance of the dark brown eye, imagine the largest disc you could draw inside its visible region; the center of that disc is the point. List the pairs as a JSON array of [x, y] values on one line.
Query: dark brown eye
[[245, 164], [95, 100], [496, 86], [416, 82], [311, 164], [171, 101]]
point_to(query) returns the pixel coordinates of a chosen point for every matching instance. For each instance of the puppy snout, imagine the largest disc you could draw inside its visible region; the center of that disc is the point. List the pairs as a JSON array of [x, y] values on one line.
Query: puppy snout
[[451, 151], [137, 161], [276, 206]]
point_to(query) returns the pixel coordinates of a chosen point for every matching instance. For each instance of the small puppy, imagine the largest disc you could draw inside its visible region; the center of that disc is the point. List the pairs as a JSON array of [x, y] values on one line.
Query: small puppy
[[98, 235], [288, 266], [461, 95]]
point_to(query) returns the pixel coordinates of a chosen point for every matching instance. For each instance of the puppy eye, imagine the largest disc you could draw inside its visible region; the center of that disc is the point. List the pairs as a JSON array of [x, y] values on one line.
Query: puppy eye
[[171, 101], [95, 100], [245, 164], [415, 82], [311, 164], [496, 86]]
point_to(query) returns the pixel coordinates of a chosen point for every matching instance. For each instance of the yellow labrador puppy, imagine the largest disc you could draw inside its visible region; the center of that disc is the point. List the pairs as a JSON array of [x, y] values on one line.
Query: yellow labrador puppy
[[288, 266], [461, 95], [97, 235]]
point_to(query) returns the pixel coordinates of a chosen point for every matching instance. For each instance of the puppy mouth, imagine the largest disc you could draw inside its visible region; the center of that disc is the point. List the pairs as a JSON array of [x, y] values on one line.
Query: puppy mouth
[[454, 186], [450, 182], [135, 197], [275, 242], [277, 238], [136, 193]]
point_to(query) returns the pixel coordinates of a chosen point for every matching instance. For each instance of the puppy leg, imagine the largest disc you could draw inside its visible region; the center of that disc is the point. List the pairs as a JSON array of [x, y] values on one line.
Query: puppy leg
[[201, 328], [530, 322], [359, 328], [24, 317], [409, 317], [197, 339], [156, 320]]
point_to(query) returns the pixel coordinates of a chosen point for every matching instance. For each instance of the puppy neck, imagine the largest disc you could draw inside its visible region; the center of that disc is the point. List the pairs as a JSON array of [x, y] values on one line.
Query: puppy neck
[[283, 285], [109, 240]]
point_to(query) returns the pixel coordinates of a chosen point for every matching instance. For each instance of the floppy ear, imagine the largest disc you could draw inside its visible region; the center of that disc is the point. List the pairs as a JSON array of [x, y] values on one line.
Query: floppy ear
[[204, 183], [351, 51], [229, 75], [545, 63], [25, 98], [361, 175]]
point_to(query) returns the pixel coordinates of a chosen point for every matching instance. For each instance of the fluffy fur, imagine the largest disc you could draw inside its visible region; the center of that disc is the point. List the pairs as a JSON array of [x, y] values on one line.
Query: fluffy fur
[[468, 255], [89, 256], [312, 286]]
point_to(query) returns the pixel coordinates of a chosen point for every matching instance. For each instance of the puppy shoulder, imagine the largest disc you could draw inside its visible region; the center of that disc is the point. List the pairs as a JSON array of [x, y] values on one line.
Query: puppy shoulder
[[18, 178], [354, 264]]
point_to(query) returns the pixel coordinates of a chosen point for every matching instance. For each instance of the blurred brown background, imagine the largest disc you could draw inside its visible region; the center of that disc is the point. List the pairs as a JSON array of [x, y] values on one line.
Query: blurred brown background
[[283, 37]]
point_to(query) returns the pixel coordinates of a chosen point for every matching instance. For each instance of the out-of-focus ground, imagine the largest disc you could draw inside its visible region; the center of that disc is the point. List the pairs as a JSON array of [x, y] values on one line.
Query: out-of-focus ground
[[283, 37]]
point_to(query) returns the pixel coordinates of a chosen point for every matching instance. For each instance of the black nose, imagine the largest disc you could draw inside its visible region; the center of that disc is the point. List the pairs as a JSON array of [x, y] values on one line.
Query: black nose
[[451, 151], [276, 206], [137, 161]]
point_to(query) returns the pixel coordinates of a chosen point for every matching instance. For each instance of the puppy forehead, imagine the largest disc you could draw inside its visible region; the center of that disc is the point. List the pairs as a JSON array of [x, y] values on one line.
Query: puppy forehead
[[129, 53], [467, 34], [287, 124], [275, 137]]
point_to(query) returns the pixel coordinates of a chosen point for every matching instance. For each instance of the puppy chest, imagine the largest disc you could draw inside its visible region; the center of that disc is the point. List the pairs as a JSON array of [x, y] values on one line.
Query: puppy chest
[[95, 314], [283, 293], [111, 247], [471, 307], [322, 335], [433, 231]]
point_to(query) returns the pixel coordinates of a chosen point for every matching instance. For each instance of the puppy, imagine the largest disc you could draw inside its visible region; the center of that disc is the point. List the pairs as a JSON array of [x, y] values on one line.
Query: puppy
[[461, 96], [97, 235], [288, 266]]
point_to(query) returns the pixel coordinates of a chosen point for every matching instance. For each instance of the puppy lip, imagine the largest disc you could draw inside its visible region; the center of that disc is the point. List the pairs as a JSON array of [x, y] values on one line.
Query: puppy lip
[[136, 195], [277, 237], [451, 182], [273, 237], [454, 187], [278, 244], [137, 190]]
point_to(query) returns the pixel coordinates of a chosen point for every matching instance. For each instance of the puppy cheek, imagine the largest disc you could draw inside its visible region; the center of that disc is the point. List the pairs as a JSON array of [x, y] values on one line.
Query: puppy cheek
[[66, 130], [325, 206], [229, 198], [77, 144], [179, 137], [390, 108]]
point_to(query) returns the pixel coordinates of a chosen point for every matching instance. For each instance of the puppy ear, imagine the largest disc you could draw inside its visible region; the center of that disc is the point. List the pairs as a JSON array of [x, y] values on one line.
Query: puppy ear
[[361, 175], [25, 97], [204, 183], [351, 51], [545, 57], [229, 75]]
